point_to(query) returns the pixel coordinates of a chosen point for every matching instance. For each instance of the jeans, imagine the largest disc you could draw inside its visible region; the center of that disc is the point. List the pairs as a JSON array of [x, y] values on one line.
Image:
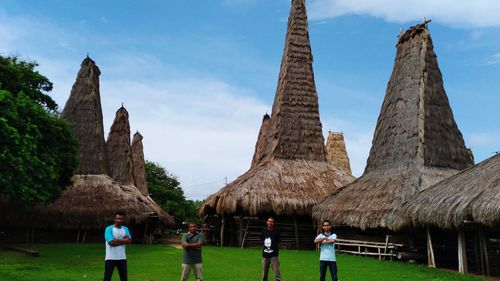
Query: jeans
[[322, 270], [109, 267], [186, 269], [275, 265]]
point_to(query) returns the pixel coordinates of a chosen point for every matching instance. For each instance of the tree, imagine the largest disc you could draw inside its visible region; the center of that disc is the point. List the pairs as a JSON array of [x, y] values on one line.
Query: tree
[[37, 150], [20, 76], [165, 189]]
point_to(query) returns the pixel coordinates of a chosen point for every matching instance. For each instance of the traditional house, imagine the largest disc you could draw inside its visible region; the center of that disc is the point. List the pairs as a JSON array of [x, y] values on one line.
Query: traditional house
[[337, 153], [467, 203], [416, 144], [290, 172]]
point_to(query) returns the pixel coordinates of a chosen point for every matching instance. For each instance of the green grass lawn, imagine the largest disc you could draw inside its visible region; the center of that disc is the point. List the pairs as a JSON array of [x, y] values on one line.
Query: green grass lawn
[[58, 262]]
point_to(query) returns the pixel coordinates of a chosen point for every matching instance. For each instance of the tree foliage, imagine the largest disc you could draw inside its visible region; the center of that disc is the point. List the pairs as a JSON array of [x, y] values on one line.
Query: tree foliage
[[165, 189], [37, 150], [20, 76]]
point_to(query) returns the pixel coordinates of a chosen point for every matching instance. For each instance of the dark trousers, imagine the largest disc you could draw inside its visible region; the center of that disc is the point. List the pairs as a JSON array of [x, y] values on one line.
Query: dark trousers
[[323, 265], [109, 267]]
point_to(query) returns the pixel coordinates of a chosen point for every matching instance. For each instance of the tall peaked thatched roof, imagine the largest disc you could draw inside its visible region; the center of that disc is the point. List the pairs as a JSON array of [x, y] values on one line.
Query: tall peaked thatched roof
[[139, 169], [121, 165], [83, 110], [416, 142], [289, 171], [471, 195], [337, 153]]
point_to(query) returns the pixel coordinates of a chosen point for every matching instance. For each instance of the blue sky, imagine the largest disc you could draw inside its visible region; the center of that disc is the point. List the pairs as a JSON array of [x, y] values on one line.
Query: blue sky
[[197, 76]]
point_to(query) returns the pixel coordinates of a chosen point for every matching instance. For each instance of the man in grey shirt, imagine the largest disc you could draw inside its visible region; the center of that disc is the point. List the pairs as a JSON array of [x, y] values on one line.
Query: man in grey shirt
[[191, 243]]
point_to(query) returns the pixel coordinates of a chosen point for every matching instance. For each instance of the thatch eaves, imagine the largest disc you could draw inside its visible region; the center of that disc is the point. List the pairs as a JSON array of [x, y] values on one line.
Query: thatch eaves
[[83, 110], [473, 195], [277, 186], [416, 143], [290, 172], [121, 166], [139, 164], [93, 200], [337, 153]]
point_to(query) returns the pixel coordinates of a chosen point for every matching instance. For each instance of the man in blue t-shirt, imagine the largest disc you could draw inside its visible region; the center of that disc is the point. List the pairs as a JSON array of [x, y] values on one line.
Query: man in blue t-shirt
[[116, 236], [327, 256], [191, 260]]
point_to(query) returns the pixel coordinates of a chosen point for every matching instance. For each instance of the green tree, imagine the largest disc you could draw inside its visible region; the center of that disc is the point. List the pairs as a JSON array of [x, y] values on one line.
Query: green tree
[[20, 76], [37, 150], [165, 189]]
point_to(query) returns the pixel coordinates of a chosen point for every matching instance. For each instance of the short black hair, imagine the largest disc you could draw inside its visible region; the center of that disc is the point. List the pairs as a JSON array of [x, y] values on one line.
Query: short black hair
[[327, 222], [120, 213]]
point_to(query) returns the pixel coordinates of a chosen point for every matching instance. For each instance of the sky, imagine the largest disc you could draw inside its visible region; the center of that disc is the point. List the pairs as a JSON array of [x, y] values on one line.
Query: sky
[[197, 76]]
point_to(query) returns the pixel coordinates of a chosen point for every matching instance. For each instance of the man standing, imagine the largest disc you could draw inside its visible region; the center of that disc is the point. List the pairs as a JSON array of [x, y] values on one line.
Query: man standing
[[116, 236], [271, 239], [191, 242], [327, 256]]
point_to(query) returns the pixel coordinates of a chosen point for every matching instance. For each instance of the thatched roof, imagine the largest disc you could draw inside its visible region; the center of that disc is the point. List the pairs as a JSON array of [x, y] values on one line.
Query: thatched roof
[[416, 142], [89, 204], [471, 195], [289, 171], [120, 163], [337, 153], [92, 201], [83, 110], [139, 164]]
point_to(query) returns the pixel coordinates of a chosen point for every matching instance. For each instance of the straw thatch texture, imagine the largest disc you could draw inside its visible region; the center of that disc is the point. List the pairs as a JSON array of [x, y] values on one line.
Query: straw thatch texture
[[280, 186], [337, 153], [295, 128], [121, 166], [83, 110], [290, 171], [92, 202], [471, 195], [139, 164], [416, 143], [262, 147]]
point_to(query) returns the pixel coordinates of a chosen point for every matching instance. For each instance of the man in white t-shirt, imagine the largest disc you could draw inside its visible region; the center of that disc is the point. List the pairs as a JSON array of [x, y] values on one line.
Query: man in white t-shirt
[[327, 256], [116, 235]]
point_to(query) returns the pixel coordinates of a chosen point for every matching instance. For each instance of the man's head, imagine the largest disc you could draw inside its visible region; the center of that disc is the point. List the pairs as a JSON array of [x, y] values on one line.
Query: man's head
[[192, 227], [326, 226], [270, 223], [119, 217]]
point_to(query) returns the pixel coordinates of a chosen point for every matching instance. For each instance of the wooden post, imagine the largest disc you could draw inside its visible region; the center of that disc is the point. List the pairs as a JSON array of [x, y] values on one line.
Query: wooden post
[[245, 235], [483, 243], [385, 248], [240, 230], [222, 230], [78, 236], [145, 237], [462, 256], [431, 262], [296, 231], [84, 236]]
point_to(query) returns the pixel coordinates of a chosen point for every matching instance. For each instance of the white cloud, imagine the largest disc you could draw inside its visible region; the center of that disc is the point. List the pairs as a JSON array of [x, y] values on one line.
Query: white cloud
[[494, 59], [457, 13]]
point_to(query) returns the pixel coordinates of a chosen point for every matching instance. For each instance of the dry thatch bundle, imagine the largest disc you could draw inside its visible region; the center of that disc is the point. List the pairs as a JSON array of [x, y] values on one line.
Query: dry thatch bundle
[[83, 110], [337, 154], [290, 171], [121, 166], [138, 159], [471, 195], [416, 142], [92, 201]]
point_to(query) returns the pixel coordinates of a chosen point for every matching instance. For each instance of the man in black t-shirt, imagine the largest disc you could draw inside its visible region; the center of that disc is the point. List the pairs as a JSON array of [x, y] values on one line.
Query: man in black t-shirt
[[271, 240]]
